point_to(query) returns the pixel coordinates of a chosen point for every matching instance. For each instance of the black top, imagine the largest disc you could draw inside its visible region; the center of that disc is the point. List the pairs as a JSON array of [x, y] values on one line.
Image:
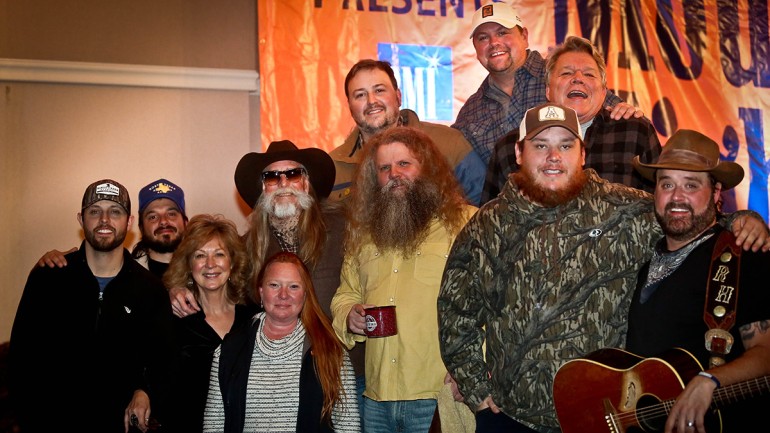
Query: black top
[[70, 350], [156, 267], [196, 342], [673, 317]]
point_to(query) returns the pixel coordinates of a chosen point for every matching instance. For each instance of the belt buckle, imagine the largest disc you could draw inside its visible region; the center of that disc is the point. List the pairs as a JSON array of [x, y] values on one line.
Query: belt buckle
[[719, 341]]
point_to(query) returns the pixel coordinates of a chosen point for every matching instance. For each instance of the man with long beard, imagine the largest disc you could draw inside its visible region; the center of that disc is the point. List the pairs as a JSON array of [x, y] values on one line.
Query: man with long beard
[[96, 333], [668, 306], [287, 189], [405, 209], [162, 221], [543, 274]]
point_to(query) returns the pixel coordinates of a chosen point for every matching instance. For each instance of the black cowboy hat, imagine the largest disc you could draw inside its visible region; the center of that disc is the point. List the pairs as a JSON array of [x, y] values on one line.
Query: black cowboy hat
[[319, 166]]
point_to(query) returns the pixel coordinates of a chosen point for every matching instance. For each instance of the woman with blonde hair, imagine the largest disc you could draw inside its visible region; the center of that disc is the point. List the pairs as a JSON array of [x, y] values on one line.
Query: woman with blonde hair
[[211, 261], [288, 371]]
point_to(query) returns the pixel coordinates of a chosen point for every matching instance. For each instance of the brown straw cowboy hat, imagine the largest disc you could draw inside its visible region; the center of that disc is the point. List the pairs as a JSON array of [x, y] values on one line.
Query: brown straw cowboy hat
[[689, 150], [319, 166]]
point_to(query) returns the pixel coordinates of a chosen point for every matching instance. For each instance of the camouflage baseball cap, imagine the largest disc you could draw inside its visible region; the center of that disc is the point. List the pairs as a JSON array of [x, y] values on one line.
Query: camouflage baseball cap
[[107, 189]]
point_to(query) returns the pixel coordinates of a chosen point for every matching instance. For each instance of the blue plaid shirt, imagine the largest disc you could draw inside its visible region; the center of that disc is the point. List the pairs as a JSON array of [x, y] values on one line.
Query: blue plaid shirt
[[490, 113]]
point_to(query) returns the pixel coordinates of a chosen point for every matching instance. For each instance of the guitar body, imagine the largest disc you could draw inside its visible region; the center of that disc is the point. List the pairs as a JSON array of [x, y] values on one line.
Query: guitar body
[[612, 390]]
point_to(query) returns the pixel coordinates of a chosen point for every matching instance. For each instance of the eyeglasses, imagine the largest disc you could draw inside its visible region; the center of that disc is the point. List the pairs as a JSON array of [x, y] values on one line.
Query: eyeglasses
[[271, 178]]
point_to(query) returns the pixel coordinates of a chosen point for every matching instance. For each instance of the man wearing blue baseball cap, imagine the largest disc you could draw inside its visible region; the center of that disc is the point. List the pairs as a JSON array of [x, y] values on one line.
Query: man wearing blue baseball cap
[[162, 222]]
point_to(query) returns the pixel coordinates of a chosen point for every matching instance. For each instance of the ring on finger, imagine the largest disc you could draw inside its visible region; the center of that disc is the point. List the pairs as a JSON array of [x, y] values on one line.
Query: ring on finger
[[690, 424]]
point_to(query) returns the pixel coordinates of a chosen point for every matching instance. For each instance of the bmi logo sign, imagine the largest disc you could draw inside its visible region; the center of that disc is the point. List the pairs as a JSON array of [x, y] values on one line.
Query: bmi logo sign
[[424, 75]]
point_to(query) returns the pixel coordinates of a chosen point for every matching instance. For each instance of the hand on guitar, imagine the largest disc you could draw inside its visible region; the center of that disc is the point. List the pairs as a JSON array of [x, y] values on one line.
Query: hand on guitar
[[690, 407], [488, 403]]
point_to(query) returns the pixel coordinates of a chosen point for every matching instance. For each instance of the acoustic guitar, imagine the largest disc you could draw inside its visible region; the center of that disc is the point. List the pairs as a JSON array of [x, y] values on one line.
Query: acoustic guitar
[[615, 391]]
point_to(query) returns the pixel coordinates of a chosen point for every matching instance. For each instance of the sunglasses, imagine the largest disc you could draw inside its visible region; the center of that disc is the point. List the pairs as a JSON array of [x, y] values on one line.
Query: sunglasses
[[271, 178]]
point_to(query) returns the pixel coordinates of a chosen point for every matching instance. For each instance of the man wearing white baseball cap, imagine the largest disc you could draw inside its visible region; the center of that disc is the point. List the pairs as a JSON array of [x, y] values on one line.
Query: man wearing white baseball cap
[[516, 80]]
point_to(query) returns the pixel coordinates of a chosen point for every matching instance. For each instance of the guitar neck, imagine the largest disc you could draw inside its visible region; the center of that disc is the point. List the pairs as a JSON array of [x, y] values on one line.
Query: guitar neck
[[741, 391]]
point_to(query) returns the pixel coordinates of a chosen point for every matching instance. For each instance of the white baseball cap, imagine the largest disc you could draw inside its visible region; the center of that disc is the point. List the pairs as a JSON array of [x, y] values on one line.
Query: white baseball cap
[[546, 115], [500, 13]]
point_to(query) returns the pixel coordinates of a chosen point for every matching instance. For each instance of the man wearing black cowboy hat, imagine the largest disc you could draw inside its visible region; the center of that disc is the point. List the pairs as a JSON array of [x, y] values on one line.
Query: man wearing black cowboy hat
[[668, 306], [286, 188]]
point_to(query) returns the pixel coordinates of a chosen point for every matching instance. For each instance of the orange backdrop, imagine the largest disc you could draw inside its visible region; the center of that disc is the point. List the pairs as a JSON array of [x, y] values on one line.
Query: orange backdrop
[[702, 65]]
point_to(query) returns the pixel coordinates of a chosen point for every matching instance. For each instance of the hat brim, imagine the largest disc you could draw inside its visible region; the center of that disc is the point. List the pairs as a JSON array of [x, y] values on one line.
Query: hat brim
[[248, 173], [728, 173], [557, 124]]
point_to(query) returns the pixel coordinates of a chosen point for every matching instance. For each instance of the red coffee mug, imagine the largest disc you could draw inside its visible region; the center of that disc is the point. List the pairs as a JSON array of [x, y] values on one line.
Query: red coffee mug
[[380, 321]]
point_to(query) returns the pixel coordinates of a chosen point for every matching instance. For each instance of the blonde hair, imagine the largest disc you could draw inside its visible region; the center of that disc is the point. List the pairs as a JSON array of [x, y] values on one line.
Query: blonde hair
[[201, 229]]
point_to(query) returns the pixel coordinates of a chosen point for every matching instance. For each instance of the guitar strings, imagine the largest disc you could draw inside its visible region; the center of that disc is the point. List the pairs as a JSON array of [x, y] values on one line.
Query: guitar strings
[[664, 408]]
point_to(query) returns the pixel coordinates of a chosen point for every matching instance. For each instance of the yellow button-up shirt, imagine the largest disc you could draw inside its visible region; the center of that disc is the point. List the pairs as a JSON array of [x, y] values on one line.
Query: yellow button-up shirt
[[408, 365]]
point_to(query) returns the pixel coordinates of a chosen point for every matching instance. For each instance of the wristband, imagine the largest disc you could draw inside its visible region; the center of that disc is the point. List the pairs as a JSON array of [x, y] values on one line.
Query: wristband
[[710, 376]]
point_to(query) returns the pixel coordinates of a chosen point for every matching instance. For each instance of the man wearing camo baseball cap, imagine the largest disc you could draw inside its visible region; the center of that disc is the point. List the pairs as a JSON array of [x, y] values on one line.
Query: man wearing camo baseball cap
[[108, 317], [107, 189]]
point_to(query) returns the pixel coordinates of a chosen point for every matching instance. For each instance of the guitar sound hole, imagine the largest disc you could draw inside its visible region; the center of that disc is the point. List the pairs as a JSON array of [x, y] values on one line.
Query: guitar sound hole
[[650, 419]]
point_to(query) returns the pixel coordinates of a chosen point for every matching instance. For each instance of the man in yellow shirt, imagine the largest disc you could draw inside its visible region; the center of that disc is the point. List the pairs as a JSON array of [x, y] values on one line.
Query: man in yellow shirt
[[406, 208]]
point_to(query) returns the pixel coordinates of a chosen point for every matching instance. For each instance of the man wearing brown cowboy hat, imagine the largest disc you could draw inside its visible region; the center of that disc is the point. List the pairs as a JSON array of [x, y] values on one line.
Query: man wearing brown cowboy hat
[[668, 306], [286, 188], [542, 274]]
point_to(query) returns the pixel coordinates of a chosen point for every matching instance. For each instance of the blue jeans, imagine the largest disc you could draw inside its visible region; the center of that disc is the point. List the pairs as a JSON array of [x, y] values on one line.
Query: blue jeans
[[403, 416]]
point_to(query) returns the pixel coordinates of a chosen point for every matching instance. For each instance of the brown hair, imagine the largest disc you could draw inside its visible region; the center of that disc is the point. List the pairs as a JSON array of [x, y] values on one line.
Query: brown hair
[[327, 350], [368, 64], [433, 167], [201, 229]]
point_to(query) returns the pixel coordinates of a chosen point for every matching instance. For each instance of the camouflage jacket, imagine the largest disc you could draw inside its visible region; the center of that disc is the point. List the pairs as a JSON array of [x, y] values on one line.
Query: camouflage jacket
[[540, 286]]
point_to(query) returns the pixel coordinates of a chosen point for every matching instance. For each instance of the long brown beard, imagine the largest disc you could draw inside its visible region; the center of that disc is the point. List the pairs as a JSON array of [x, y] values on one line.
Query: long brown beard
[[546, 197], [679, 230], [400, 221]]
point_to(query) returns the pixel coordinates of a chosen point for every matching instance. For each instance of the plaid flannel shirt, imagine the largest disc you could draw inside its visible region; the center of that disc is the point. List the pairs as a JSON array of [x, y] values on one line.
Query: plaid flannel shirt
[[490, 113], [610, 148]]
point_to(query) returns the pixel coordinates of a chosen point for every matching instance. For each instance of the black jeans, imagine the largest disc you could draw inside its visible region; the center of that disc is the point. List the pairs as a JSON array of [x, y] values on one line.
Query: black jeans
[[489, 422]]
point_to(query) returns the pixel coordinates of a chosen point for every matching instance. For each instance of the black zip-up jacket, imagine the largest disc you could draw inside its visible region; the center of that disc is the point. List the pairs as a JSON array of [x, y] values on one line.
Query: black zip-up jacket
[[75, 361]]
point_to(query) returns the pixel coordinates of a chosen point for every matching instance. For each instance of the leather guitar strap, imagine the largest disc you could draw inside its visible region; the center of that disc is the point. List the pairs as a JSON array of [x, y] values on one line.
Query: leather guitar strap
[[722, 297]]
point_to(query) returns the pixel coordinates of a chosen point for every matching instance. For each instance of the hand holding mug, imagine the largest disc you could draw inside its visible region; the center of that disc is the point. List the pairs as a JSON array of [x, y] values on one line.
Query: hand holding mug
[[357, 320]]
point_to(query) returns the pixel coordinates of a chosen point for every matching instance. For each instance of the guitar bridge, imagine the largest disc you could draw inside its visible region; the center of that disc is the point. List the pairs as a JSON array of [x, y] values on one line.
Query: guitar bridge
[[609, 417]]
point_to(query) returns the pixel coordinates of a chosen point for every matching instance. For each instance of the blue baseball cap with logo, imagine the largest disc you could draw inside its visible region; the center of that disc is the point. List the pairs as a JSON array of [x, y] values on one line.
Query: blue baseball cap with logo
[[161, 188]]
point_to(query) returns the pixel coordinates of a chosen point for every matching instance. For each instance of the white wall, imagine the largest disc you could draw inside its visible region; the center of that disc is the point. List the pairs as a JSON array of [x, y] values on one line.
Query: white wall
[[56, 138]]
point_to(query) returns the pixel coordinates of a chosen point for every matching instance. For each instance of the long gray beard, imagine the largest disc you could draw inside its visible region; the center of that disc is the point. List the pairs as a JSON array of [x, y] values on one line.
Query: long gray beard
[[401, 222], [284, 210]]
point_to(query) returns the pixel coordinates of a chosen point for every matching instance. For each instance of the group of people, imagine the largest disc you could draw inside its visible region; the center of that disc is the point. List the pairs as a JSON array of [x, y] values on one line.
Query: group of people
[[204, 329]]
